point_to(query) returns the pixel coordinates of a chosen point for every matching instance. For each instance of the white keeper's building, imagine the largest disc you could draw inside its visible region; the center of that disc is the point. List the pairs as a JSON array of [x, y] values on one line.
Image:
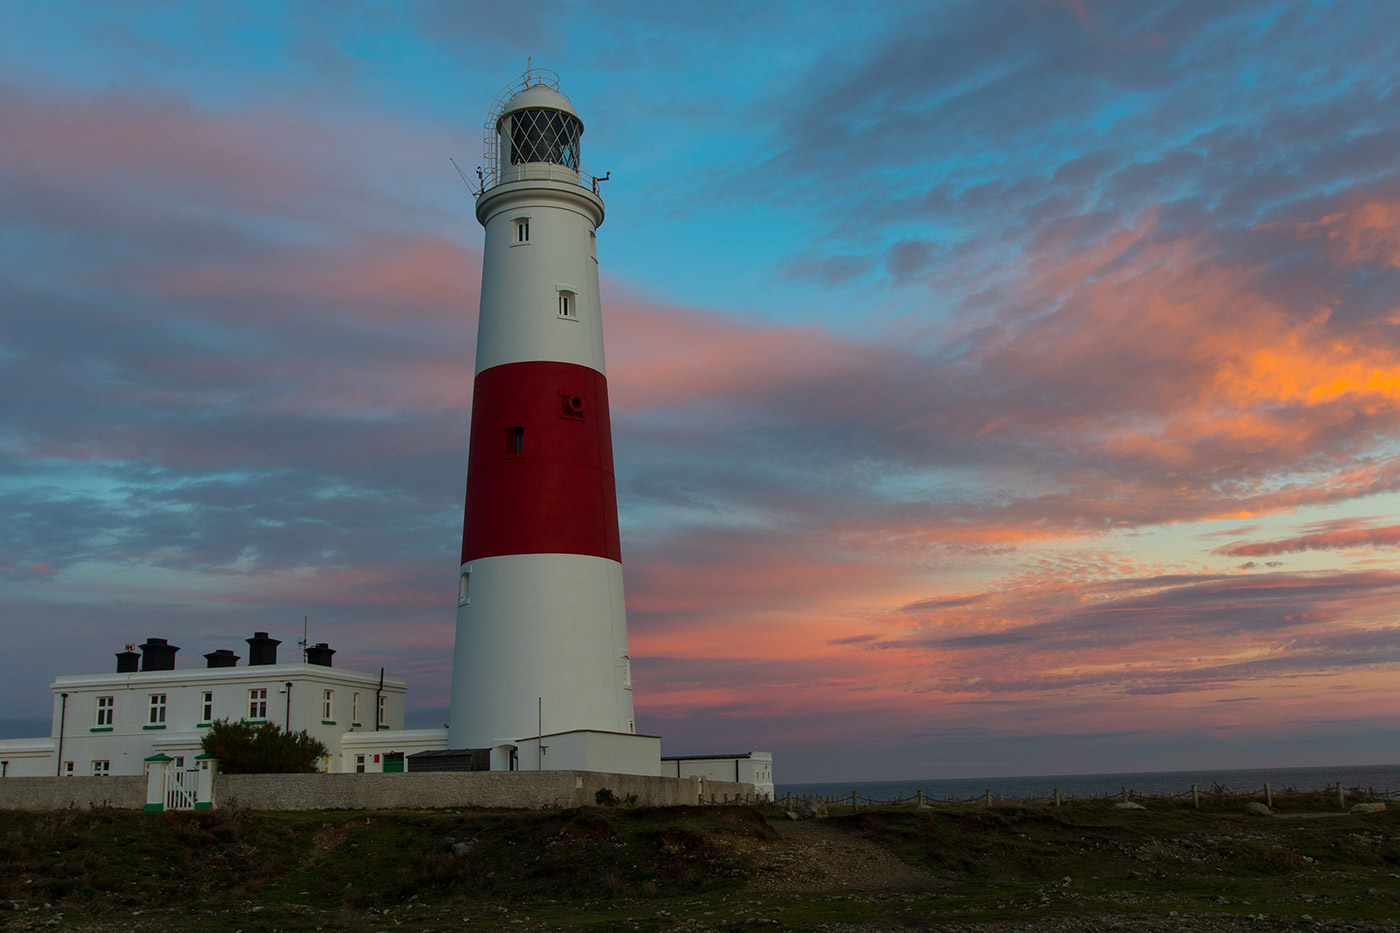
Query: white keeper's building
[[109, 724]]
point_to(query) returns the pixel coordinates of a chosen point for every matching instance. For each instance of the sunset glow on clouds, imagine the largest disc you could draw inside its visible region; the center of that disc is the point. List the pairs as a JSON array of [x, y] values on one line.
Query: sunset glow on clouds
[[1006, 388]]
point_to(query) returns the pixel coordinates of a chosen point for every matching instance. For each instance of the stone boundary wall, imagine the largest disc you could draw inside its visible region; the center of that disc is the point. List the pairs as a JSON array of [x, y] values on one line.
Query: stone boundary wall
[[127, 792], [533, 790]]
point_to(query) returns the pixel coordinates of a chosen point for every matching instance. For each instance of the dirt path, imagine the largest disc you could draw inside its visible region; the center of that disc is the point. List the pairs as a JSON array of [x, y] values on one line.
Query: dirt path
[[814, 855]]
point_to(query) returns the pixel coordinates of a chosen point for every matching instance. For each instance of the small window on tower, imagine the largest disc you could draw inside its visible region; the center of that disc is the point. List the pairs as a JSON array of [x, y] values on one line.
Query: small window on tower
[[522, 230], [463, 588], [568, 305], [515, 438]]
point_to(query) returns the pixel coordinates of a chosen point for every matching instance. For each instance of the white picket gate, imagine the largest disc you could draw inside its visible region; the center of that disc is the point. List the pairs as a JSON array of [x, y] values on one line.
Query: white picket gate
[[181, 789]]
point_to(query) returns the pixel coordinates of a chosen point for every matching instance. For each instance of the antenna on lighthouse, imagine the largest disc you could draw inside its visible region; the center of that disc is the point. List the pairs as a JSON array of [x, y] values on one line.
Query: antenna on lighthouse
[[464, 176]]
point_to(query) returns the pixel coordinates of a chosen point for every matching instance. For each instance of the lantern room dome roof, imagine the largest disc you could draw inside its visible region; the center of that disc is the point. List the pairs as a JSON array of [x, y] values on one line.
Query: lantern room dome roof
[[539, 97]]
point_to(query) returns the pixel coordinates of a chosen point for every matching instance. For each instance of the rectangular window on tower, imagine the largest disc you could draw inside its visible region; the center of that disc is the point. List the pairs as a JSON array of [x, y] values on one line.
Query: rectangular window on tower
[[568, 306], [522, 231], [515, 442], [464, 587]]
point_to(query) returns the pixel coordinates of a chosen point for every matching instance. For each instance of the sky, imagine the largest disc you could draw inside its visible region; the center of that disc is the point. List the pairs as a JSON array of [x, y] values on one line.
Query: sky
[[998, 388]]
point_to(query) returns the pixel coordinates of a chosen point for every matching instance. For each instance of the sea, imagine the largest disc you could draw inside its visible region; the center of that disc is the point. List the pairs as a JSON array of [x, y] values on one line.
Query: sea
[[1369, 778]]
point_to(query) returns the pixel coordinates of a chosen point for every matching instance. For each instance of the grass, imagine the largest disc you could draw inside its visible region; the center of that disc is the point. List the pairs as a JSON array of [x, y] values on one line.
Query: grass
[[606, 868]]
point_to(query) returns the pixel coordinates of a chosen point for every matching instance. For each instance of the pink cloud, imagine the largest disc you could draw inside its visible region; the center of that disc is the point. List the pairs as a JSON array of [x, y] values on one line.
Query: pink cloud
[[1334, 536]]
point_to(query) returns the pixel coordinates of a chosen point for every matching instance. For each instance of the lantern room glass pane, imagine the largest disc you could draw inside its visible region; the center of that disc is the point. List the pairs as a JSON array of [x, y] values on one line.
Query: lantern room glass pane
[[544, 136]]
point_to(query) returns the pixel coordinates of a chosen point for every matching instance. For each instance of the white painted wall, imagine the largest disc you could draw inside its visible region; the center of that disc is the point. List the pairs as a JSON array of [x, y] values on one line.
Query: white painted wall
[[755, 768], [520, 282], [374, 746], [540, 626], [27, 757], [131, 737], [590, 750]]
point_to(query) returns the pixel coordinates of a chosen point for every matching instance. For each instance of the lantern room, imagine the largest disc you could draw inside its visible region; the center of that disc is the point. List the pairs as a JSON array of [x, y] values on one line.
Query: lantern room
[[533, 132]]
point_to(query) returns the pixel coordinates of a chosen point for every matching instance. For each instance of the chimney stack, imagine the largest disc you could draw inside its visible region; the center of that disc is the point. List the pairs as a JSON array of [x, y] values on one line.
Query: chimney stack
[[222, 658], [128, 661], [157, 655], [261, 649], [320, 653]]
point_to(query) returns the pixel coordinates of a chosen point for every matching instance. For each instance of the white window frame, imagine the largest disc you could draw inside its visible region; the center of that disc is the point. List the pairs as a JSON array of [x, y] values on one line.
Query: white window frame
[[355, 708], [382, 717], [327, 706], [464, 587], [206, 706], [155, 714], [520, 229], [101, 767], [106, 712], [568, 304], [257, 704]]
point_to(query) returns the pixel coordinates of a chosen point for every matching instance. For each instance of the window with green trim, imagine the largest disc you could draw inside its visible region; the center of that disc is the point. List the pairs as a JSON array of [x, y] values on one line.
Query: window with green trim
[[156, 716], [106, 710]]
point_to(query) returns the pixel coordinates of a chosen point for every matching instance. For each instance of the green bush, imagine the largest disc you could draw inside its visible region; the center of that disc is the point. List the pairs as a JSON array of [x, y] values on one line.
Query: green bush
[[261, 748]]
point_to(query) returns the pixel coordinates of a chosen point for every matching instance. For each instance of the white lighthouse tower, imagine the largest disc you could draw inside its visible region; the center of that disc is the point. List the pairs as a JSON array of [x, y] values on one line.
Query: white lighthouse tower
[[541, 673]]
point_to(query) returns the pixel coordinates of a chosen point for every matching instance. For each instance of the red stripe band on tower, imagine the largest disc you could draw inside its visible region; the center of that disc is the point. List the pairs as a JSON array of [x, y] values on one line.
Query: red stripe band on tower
[[540, 466]]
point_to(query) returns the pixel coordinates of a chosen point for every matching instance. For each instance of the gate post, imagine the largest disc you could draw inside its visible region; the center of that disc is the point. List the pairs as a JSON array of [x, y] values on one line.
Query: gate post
[[156, 766], [204, 790]]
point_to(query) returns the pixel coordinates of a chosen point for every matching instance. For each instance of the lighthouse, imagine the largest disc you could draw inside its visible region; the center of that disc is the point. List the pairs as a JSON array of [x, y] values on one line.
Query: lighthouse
[[541, 643]]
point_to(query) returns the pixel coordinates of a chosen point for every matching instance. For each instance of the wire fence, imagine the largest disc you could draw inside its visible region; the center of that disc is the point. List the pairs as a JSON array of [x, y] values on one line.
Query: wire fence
[[1217, 794]]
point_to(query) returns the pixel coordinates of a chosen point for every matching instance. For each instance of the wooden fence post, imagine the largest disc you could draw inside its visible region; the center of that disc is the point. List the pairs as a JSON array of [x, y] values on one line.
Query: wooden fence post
[[989, 796], [855, 801], [1341, 797], [1268, 795], [1057, 796], [1195, 797]]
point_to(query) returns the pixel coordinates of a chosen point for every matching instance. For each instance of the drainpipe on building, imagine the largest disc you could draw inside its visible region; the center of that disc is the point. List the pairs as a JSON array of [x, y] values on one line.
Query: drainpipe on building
[[289, 706], [377, 694], [62, 717]]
